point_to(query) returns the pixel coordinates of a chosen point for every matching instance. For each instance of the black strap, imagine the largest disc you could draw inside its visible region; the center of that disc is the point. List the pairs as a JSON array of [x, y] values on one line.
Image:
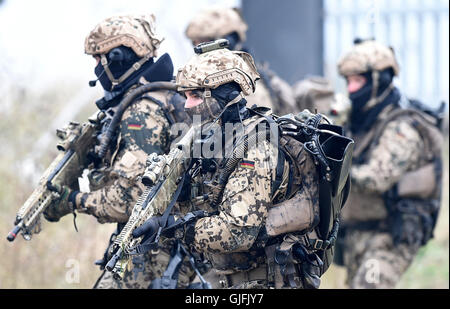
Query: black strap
[[142, 248], [279, 172], [169, 280], [319, 244]]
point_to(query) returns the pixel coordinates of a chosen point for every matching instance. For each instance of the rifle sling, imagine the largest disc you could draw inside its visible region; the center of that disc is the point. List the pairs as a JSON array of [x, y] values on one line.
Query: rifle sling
[[142, 248]]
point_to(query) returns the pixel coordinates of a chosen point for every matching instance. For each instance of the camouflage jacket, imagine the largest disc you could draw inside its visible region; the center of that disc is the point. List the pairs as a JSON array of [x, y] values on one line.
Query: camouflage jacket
[[399, 149], [144, 129], [228, 239]]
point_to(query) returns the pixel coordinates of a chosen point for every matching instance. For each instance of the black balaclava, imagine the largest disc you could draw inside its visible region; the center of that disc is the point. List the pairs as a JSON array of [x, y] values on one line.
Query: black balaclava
[[120, 59], [363, 117], [226, 93], [233, 40]]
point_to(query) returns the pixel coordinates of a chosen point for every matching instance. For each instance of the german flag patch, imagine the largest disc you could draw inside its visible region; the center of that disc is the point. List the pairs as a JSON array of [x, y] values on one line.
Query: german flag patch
[[247, 164], [134, 127]]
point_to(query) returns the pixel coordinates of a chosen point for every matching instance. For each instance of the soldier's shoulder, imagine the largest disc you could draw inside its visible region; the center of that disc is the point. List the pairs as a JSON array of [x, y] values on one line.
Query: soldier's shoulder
[[401, 128]]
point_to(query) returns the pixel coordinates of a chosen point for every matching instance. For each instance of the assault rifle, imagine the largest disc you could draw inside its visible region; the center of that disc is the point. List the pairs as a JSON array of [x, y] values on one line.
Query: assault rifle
[[164, 178], [76, 141]]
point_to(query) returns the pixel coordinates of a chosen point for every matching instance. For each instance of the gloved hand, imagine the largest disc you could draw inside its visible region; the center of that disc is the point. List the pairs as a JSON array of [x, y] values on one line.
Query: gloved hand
[[408, 223], [150, 228], [407, 229], [64, 205], [186, 223]]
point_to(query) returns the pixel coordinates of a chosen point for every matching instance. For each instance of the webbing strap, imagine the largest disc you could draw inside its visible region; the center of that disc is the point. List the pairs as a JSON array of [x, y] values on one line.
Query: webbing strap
[[142, 248], [136, 66]]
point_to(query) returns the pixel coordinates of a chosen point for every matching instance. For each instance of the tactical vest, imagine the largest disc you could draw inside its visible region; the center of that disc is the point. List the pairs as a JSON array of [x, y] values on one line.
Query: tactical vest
[[308, 191], [173, 109], [419, 189]]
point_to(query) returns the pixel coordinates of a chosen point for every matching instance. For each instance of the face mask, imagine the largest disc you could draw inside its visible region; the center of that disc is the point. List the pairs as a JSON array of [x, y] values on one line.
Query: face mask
[[102, 77], [208, 111], [120, 59]]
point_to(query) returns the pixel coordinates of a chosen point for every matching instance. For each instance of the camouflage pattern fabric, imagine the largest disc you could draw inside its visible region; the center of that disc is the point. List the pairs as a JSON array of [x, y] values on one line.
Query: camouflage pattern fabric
[[373, 261], [370, 256], [143, 130], [366, 56], [134, 31], [221, 66], [261, 97], [243, 209], [398, 151], [145, 269], [273, 92], [214, 23]]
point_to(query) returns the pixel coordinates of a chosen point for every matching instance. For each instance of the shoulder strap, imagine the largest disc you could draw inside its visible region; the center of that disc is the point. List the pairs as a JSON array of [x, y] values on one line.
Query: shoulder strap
[[423, 123]]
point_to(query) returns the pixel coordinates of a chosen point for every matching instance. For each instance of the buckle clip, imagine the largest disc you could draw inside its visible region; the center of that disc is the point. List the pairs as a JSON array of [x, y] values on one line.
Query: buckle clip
[[136, 66], [318, 244]]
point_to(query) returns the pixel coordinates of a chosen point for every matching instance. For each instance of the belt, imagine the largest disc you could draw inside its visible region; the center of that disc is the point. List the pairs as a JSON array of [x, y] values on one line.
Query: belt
[[259, 273]]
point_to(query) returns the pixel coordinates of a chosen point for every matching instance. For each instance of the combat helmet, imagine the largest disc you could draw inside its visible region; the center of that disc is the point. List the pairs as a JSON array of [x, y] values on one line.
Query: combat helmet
[[370, 56], [367, 56], [216, 23], [136, 32], [213, 66]]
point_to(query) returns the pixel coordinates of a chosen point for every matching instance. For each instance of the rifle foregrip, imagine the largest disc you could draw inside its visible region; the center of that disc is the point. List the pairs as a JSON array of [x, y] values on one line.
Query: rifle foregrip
[[113, 261], [13, 234]]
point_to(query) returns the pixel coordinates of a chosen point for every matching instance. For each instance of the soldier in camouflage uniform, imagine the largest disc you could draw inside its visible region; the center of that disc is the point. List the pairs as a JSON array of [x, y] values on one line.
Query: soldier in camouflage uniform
[[216, 23], [125, 48], [395, 194], [238, 195]]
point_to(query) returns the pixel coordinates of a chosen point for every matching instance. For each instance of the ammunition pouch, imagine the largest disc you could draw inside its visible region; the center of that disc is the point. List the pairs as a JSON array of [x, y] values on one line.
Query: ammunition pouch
[[414, 204], [411, 221], [291, 264]]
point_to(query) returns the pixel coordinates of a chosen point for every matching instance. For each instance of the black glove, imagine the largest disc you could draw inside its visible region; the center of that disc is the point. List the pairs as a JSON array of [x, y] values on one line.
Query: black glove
[[151, 227], [407, 229], [64, 205], [407, 224]]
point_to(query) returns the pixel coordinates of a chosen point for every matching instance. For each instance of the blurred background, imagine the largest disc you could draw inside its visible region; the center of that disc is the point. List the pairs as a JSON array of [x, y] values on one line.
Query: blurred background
[[44, 76]]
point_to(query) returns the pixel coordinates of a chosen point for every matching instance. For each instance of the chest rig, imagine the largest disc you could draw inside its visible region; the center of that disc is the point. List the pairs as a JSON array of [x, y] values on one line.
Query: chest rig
[[418, 191], [305, 145], [109, 139]]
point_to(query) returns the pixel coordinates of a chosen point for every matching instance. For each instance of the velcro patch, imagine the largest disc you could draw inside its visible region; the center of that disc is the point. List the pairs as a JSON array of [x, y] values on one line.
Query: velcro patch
[[247, 164], [128, 159]]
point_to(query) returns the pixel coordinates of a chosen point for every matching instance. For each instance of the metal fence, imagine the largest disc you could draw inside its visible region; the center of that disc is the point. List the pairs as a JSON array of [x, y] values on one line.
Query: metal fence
[[417, 29]]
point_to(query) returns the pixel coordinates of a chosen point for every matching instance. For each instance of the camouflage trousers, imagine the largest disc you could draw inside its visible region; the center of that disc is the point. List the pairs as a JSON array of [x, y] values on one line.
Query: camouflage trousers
[[144, 270], [373, 261]]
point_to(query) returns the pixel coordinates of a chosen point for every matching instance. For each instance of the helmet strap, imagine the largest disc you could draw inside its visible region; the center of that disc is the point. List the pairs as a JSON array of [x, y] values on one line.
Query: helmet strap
[[136, 66], [374, 100], [207, 96]]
